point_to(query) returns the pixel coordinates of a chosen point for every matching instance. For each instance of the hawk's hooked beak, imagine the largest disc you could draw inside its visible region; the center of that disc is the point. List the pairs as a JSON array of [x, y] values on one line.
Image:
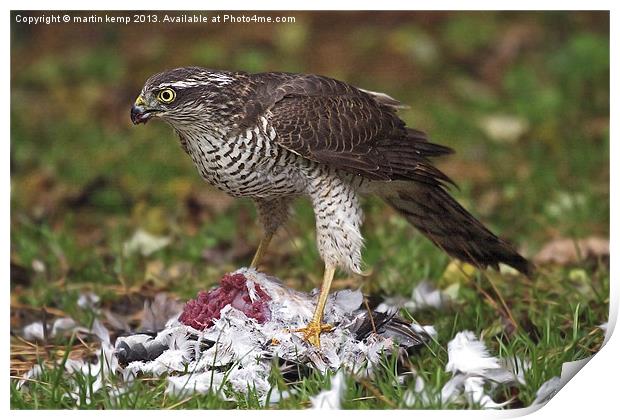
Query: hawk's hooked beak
[[139, 113]]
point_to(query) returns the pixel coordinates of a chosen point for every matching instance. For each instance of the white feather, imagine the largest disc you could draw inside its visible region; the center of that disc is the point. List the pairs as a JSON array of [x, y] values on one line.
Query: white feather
[[467, 354], [330, 399]]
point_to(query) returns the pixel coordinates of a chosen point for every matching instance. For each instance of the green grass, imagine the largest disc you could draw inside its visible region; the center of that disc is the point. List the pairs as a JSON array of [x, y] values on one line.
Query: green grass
[[83, 180], [562, 334]]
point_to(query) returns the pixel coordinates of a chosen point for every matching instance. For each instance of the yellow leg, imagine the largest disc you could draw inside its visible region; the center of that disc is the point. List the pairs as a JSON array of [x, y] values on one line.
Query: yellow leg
[[313, 330], [260, 252]]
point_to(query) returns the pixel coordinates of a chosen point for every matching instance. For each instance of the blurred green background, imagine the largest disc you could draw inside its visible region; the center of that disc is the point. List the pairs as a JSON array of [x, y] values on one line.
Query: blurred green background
[[523, 98]]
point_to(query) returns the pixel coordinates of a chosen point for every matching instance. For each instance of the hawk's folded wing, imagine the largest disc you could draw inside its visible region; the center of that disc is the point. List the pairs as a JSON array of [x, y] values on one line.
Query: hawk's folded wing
[[346, 128]]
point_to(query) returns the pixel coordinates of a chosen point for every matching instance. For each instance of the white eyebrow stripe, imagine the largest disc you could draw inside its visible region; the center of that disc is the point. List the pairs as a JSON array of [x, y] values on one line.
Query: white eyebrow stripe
[[218, 79], [183, 84]]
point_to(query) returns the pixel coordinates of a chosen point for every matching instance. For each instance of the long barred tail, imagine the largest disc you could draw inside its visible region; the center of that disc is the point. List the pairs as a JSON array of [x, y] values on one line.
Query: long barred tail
[[452, 228]]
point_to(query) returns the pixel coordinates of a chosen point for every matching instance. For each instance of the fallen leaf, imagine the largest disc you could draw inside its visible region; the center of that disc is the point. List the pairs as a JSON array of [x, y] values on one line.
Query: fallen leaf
[[504, 128], [145, 243], [564, 251], [457, 272]]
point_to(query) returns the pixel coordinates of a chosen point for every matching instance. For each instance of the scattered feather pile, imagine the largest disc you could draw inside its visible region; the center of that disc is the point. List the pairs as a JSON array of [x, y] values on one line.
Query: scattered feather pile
[[99, 371], [475, 372], [229, 338], [475, 375]]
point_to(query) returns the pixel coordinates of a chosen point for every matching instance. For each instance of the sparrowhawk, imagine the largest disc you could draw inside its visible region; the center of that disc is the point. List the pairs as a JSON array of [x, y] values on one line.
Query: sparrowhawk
[[277, 136]]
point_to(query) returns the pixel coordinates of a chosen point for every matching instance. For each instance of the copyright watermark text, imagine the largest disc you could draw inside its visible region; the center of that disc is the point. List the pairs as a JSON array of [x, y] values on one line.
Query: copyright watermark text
[[151, 17]]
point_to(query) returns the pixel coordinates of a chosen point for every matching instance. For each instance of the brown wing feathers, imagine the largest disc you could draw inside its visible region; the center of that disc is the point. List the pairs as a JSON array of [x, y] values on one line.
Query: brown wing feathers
[[358, 131], [356, 134]]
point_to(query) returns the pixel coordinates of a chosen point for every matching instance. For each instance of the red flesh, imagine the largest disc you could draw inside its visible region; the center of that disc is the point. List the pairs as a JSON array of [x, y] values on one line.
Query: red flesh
[[199, 313]]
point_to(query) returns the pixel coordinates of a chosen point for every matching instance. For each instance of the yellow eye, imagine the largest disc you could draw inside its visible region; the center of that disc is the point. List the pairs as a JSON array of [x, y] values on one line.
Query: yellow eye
[[166, 96]]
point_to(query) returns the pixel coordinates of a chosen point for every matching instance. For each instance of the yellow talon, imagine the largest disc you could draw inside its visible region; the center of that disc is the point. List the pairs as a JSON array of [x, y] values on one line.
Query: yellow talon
[[311, 332]]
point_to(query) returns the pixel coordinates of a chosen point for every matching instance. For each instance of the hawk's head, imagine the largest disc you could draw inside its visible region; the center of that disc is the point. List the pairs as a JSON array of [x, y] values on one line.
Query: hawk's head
[[186, 96]]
